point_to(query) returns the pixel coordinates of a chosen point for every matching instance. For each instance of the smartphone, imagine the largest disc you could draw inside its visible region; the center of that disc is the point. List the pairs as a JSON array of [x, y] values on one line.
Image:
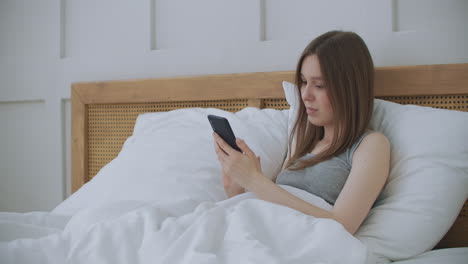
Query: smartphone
[[221, 126]]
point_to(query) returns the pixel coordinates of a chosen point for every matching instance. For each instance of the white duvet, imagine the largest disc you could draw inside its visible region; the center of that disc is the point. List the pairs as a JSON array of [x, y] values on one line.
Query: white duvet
[[242, 229]]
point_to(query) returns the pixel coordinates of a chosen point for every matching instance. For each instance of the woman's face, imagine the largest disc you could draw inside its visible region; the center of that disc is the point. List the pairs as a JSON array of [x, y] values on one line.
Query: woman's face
[[314, 93]]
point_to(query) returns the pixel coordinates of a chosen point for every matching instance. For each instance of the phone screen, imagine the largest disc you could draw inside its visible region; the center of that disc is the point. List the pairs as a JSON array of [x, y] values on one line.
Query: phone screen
[[221, 126]]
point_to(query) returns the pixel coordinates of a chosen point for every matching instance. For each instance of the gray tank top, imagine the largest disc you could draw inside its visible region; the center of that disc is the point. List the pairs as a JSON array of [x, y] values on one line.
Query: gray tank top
[[325, 179]]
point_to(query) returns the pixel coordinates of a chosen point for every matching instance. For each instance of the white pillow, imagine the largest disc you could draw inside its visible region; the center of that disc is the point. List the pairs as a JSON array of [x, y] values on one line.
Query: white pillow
[[292, 97], [428, 181], [170, 156]]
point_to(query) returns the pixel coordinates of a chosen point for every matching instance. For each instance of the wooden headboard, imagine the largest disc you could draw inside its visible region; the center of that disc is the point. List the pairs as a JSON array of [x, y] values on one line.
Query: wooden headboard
[[104, 113]]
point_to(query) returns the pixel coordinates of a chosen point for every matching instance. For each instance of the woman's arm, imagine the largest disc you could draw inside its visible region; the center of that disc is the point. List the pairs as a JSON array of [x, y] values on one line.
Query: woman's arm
[[369, 172], [370, 169], [231, 188], [267, 190]]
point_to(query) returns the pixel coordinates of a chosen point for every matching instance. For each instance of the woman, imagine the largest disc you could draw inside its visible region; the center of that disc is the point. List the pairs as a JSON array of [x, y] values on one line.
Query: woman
[[332, 154]]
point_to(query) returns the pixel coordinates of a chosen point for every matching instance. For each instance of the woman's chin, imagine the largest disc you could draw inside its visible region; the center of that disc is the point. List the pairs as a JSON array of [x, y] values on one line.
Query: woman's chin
[[314, 121]]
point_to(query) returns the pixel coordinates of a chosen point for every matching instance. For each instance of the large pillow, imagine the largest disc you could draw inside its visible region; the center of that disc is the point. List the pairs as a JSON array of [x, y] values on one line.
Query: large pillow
[[171, 156], [292, 97], [428, 181]]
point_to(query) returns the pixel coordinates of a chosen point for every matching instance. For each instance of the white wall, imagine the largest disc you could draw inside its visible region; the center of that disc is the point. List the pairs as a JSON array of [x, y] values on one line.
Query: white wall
[[46, 45]]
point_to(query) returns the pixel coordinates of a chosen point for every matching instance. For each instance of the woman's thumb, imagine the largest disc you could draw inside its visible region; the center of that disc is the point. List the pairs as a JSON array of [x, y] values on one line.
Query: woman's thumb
[[239, 144]]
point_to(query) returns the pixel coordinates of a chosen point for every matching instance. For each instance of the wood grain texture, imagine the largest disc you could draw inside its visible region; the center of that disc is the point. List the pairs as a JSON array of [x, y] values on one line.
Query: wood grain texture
[[442, 79], [211, 87], [389, 81], [457, 236], [79, 155]]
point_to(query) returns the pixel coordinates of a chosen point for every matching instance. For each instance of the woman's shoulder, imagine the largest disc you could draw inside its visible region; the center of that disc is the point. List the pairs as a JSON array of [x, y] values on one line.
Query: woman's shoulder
[[374, 141], [371, 142], [368, 137], [375, 137]]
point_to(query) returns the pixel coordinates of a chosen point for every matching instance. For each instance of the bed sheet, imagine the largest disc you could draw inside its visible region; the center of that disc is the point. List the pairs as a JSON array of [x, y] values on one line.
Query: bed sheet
[[440, 256], [30, 225], [242, 229]]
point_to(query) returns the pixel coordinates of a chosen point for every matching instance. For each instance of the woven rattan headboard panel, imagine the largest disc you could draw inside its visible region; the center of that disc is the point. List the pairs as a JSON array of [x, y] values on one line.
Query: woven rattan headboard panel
[[104, 113], [109, 125]]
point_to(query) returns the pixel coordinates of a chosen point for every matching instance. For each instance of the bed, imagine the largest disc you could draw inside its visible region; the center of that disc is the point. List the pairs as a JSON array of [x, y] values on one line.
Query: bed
[[106, 114]]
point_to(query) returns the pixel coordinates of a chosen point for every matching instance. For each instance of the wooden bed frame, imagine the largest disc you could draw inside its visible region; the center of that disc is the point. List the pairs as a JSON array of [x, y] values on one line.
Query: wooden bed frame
[[104, 113]]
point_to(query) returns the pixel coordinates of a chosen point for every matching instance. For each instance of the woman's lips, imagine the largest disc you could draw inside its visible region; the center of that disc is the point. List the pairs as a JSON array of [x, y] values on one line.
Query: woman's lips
[[311, 110]]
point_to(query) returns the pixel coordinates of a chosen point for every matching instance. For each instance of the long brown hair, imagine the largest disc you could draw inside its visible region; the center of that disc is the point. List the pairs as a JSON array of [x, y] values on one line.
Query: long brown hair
[[348, 72]]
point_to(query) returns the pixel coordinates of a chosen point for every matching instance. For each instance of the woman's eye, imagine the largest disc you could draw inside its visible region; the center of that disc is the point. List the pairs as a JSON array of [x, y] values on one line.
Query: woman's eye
[[319, 86]]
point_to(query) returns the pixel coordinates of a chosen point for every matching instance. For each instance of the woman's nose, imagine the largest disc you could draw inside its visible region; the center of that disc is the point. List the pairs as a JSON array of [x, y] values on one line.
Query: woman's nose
[[307, 93]]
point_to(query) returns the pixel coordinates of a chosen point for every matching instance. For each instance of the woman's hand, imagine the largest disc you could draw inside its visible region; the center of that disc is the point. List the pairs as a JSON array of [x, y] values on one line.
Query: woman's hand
[[242, 168], [230, 187]]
